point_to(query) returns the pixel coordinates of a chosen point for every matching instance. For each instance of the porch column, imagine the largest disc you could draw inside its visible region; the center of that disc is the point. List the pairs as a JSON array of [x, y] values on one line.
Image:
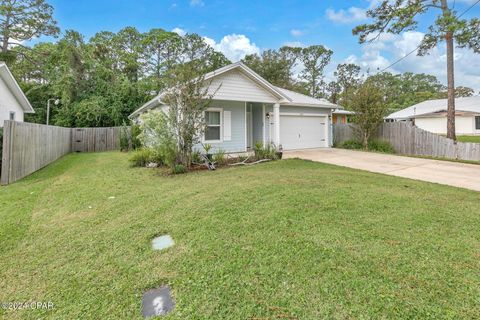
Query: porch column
[[276, 117]]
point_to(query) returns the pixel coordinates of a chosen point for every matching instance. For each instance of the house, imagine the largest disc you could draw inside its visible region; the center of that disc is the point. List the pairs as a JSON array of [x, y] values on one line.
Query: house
[[13, 102], [341, 116], [246, 108], [431, 115]]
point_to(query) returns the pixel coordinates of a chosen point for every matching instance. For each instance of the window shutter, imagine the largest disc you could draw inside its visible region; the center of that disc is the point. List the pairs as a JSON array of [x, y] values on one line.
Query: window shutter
[[227, 125]]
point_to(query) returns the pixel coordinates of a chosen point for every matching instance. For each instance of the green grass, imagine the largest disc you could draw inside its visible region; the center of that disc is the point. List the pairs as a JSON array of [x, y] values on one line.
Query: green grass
[[475, 139], [289, 239]]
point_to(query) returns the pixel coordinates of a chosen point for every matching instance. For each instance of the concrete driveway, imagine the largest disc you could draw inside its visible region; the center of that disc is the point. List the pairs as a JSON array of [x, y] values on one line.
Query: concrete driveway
[[444, 172]]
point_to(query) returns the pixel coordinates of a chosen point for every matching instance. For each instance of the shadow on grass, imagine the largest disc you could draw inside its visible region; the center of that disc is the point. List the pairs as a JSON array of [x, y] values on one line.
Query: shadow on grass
[[17, 201]]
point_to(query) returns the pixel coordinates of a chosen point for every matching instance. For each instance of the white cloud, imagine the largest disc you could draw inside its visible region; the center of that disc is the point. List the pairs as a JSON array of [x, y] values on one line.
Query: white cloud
[[390, 48], [294, 44], [234, 46], [179, 31], [296, 32], [197, 3], [352, 14]]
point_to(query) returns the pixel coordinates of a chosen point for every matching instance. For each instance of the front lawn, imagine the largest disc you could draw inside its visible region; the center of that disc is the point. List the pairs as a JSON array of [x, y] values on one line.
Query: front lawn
[[475, 139], [282, 240]]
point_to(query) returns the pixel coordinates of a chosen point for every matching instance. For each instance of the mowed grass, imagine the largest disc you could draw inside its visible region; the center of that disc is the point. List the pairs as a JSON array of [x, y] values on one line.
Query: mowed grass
[[283, 240], [475, 139]]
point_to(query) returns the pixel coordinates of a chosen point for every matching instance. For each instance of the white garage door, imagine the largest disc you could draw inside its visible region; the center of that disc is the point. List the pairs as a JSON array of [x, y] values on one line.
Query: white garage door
[[303, 132]]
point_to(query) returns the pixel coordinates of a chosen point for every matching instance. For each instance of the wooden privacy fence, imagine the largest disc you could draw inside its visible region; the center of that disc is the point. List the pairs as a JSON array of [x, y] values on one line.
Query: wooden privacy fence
[[408, 139], [28, 147]]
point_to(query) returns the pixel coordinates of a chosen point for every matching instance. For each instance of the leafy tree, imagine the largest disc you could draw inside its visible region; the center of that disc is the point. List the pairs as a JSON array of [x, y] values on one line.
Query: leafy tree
[[101, 81], [464, 92], [275, 65], [189, 97], [403, 90], [314, 59], [160, 50], [334, 90], [401, 15], [348, 77], [23, 20], [370, 109]]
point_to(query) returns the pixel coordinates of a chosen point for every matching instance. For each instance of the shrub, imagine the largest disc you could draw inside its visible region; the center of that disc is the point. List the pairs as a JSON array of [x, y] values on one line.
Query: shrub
[[135, 136], [141, 157], [124, 140], [157, 135], [207, 147], [179, 169], [351, 144], [373, 145], [220, 157], [381, 146], [264, 152], [196, 157]]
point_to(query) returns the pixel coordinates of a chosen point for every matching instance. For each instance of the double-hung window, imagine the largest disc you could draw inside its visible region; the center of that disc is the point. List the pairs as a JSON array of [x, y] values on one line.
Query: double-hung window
[[477, 123], [213, 121]]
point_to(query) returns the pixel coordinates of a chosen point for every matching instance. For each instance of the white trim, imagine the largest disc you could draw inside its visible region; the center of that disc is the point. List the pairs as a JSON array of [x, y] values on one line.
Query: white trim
[[299, 114], [276, 115], [263, 124], [221, 126], [250, 129], [15, 89], [227, 125], [246, 143]]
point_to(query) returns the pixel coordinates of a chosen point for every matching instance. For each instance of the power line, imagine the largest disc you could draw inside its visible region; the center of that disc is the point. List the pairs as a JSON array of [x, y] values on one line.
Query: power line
[[418, 47]]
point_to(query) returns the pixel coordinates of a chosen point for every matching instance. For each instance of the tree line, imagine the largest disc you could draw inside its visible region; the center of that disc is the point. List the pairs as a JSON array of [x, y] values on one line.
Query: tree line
[[101, 80]]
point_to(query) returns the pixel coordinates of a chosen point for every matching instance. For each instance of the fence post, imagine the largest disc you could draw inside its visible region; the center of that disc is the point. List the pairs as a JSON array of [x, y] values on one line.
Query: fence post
[[7, 145]]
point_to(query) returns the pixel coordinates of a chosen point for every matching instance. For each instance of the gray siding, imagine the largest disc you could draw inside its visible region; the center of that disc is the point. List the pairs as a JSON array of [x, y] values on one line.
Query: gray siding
[[237, 143], [236, 86], [257, 122]]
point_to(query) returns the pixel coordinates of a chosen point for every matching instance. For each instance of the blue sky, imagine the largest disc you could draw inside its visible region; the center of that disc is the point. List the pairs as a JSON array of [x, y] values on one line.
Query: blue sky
[[240, 27]]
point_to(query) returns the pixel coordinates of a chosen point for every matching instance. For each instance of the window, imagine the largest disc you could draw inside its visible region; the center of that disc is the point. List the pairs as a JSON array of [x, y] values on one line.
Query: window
[[12, 115], [213, 122], [477, 123]]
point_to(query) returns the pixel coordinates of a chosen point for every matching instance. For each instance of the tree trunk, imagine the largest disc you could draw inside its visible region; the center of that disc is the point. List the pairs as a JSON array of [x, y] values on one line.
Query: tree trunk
[[451, 78], [451, 88]]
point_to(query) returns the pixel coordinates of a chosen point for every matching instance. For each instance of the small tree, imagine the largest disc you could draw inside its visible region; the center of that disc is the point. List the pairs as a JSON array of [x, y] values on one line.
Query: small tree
[[23, 20], [370, 109], [403, 15], [188, 98]]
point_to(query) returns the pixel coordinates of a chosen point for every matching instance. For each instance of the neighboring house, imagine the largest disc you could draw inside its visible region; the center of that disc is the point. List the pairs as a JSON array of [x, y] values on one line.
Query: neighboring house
[[246, 108], [341, 116], [431, 115], [13, 102]]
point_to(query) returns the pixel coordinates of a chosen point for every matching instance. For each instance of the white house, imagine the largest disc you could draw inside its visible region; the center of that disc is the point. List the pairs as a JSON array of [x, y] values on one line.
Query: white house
[[246, 108], [431, 115], [13, 102]]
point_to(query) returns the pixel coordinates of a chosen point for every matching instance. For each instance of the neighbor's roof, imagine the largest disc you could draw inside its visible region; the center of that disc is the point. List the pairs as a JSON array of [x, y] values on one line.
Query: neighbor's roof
[[343, 111], [284, 96], [470, 104], [14, 88]]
